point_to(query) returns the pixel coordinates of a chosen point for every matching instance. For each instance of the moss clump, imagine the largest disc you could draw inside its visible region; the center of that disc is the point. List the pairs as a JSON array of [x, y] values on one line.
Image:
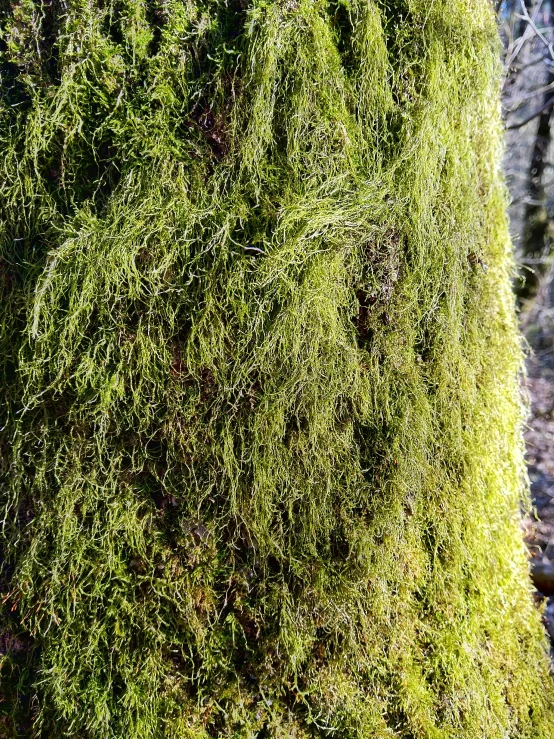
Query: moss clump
[[260, 423]]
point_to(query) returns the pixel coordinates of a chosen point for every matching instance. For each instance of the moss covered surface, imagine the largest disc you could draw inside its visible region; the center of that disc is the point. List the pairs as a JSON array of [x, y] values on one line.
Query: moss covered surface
[[261, 462]]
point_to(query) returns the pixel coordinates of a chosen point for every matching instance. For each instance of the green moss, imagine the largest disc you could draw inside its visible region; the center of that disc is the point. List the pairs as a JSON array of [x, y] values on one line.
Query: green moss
[[261, 428]]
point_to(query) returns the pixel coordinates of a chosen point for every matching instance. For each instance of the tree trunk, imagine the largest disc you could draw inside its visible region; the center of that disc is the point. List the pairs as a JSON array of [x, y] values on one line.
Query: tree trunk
[[261, 466]]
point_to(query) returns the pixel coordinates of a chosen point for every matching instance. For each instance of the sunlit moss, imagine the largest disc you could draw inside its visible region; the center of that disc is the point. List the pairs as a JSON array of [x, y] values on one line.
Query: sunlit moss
[[260, 431]]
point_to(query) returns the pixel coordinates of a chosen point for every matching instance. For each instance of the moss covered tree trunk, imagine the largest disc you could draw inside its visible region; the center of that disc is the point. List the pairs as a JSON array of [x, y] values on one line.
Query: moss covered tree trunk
[[261, 462]]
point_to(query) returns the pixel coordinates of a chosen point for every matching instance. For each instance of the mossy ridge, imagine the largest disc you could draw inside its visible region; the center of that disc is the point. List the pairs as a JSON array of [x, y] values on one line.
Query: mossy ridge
[[260, 431]]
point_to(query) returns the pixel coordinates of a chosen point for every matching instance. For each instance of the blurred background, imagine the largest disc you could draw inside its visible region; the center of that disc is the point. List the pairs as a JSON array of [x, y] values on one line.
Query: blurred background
[[527, 29]]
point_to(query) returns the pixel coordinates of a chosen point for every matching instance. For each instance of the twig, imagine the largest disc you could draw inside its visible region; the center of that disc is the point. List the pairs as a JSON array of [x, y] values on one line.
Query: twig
[[525, 35], [532, 63], [538, 32], [536, 114], [515, 104]]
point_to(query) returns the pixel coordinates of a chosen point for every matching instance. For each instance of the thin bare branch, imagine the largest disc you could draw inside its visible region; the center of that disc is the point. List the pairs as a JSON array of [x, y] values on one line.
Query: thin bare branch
[[536, 114], [527, 34], [519, 101], [531, 21]]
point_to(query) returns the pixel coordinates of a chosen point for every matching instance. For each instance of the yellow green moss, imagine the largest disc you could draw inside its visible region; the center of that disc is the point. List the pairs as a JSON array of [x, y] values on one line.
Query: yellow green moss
[[261, 428]]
